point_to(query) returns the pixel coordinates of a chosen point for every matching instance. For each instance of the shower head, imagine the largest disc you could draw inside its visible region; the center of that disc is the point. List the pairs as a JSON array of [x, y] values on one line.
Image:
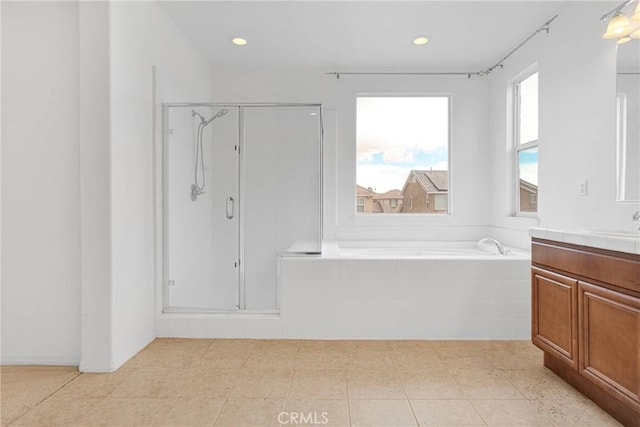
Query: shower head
[[219, 114]]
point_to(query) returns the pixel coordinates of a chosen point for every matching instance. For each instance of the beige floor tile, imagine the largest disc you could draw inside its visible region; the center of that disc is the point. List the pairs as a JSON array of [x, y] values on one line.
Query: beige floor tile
[[516, 358], [250, 412], [57, 411], [413, 345], [510, 413], [226, 354], [277, 345], [205, 383], [94, 385], [385, 413], [374, 384], [318, 384], [479, 360], [411, 359], [485, 384], [271, 359], [312, 358], [116, 411], [170, 353], [366, 345], [575, 411], [540, 383], [155, 382], [233, 344], [266, 383], [190, 412], [322, 345], [23, 387], [446, 413], [430, 384], [369, 359], [328, 412]]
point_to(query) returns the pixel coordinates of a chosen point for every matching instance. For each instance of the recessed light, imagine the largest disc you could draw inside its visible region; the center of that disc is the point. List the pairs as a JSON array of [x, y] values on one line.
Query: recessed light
[[239, 41], [420, 40]]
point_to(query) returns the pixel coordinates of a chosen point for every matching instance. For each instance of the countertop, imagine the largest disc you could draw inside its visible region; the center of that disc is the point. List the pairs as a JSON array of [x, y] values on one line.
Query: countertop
[[615, 240]]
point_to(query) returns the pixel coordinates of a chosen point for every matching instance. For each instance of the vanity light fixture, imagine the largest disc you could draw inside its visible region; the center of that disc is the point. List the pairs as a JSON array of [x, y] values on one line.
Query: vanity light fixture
[[420, 40], [239, 41], [620, 27]]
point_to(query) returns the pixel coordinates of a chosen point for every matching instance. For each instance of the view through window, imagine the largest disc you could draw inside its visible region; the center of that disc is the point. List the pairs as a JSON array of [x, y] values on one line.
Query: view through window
[[402, 154], [526, 126]]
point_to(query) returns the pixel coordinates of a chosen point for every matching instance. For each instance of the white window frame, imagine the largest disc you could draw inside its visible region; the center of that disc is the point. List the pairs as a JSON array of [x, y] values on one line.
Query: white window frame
[[517, 146]]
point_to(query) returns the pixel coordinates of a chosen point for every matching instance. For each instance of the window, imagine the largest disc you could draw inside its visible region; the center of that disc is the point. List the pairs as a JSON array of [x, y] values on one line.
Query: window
[[526, 144], [360, 205], [441, 202], [403, 148]]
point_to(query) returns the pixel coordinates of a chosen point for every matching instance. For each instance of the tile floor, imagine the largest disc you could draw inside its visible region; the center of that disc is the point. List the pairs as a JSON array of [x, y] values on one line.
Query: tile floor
[[186, 382]]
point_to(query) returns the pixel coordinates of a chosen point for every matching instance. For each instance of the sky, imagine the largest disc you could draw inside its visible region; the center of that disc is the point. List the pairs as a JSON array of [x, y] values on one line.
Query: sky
[[397, 134]]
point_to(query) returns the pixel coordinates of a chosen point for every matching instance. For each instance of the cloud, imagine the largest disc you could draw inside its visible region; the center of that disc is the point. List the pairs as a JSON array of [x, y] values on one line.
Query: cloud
[[401, 127], [529, 172]]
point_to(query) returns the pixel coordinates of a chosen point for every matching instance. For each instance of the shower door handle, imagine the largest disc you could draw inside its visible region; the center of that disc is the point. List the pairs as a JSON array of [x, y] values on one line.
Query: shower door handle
[[230, 207]]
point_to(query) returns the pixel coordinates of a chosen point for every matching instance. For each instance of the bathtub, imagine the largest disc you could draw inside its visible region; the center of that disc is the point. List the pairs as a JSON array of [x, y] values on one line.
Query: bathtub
[[406, 290], [418, 250]]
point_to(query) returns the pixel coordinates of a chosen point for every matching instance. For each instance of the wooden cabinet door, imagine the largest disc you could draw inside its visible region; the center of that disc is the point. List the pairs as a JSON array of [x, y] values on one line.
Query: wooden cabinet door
[[609, 330], [555, 314]]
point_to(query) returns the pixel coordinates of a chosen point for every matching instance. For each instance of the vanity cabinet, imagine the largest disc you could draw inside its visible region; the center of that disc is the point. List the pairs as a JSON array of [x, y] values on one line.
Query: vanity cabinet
[[586, 319], [555, 315]]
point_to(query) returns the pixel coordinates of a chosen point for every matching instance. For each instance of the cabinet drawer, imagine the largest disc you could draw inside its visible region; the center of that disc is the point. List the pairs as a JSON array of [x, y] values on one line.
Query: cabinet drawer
[[554, 315], [609, 325]]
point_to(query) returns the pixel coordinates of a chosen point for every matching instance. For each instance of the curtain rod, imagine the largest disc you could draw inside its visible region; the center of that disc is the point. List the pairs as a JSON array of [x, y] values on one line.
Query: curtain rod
[[469, 74], [615, 10]]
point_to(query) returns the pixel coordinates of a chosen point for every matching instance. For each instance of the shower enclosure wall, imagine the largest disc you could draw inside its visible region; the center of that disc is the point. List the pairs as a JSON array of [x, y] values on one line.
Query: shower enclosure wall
[[237, 191]]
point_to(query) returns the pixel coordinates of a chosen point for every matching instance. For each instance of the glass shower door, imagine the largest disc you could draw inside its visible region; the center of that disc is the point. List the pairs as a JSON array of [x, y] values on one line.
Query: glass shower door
[[201, 174]]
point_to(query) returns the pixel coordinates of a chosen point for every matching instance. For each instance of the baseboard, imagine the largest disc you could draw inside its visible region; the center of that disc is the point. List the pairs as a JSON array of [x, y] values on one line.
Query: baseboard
[[40, 359], [97, 366]]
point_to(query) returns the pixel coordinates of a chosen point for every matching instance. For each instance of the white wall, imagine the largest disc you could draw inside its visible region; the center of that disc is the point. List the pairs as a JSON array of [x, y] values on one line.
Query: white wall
[[470, 212], [40, 184], [576, 130], [142, 37]]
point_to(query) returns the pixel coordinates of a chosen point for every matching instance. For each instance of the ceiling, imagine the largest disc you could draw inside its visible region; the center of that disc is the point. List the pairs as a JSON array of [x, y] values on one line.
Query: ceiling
[[463, 34]]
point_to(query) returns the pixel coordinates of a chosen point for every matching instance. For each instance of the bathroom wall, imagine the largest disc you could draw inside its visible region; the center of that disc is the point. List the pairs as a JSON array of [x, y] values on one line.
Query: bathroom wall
[[40, 184], [78, 159], [577, 84], [470, 212], [141, 37]]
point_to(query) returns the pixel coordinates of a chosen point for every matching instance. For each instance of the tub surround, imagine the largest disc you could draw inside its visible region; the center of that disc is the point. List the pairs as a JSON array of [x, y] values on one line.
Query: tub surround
[[586, 317]]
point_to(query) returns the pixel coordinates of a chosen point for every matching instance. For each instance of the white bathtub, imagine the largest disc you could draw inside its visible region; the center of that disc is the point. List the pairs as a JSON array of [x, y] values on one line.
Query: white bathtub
[[432, 290], [418, 250]]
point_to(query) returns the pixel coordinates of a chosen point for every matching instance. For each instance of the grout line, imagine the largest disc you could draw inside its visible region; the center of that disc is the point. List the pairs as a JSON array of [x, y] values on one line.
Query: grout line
[[49, 396]]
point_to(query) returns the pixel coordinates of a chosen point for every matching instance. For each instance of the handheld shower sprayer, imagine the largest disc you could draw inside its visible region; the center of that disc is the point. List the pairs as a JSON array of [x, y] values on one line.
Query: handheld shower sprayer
[[196, 188]]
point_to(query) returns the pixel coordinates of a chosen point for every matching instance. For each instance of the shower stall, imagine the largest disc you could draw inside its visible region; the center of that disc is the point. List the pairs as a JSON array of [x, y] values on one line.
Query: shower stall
[[242, 184]]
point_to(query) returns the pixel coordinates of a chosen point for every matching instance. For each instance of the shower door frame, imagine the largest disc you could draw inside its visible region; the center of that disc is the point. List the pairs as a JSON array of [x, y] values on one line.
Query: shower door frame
[[241, 233]]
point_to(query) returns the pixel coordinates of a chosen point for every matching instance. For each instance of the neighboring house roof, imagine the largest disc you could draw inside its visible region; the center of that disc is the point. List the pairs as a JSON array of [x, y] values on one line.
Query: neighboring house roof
[[361, 191], [526, 185], [391, 194], [431, 181]]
